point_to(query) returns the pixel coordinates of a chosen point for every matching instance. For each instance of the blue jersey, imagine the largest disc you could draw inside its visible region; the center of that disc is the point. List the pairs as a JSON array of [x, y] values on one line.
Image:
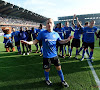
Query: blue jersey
[[34, 33], [60, 31], [67, 31], [89, 34], [16, 36], [49, 43], [78, 32], [7, 40], [39, 30], [22, 35]]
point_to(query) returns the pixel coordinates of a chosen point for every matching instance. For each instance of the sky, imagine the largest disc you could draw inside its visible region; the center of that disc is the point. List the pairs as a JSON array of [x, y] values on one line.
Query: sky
[[58, 8]]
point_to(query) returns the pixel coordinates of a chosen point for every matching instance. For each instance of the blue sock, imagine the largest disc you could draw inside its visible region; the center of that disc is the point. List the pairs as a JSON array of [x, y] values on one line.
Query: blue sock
[[36, 46], [91, 54], [80, 50], [83, 53], [87, 52], [19, 49], [60, 73], [65, 50], [70, 52], [76, 52], [41, 49], [46, 75]]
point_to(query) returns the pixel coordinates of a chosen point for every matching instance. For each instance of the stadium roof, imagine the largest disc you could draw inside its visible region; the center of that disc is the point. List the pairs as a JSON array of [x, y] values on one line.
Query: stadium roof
[[15, 11]]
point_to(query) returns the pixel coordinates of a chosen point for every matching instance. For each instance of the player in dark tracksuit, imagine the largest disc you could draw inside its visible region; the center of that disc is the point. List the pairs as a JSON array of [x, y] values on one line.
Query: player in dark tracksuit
[[29, 38], [99, 37]]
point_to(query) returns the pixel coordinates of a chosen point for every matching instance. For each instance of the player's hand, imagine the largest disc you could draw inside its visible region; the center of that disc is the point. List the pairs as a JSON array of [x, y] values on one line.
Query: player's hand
[[9, 37], [96, 38], [71, 37], [25, 42]]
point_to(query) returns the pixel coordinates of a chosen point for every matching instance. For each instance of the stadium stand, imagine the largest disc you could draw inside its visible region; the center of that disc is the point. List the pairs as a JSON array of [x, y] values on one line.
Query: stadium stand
[[83, 18], [12, 15]]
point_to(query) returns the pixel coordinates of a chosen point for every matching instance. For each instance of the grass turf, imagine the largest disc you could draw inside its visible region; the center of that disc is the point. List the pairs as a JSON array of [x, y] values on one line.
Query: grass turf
[[19, 72]]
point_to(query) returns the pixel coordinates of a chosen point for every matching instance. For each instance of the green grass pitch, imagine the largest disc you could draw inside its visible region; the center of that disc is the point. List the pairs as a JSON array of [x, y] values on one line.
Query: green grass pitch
[[19, 72]]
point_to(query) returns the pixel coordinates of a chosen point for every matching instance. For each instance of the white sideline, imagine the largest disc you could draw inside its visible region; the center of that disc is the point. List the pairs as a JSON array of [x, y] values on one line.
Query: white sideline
[[93, 72]]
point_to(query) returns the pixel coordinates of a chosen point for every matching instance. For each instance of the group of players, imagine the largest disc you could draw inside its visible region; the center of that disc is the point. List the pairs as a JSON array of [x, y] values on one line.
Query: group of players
[[51, 38], [88, 31], [22, 34]]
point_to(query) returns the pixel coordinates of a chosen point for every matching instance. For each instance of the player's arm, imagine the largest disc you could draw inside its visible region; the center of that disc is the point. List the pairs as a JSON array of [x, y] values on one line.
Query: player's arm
[[63, 41], [73, 20], [78, 21], [96, 35], [30, 42]]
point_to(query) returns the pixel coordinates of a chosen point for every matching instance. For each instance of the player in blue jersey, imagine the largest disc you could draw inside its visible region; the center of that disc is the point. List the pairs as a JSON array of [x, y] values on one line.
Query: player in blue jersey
[[60, 31], [34, 35], [99, 37], [77, 35], [29, 38], [67, 30], [49, 38], [23, 36], [40, 42], [89, 39], [86, 25], [15, 34]]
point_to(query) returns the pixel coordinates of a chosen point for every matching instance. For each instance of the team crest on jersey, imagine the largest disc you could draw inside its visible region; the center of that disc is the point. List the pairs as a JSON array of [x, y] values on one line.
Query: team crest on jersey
[[54, 36]]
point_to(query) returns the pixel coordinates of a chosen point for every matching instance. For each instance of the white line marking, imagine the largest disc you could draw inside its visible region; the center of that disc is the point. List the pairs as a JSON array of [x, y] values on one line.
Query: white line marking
[[96, 47], [93, 72]]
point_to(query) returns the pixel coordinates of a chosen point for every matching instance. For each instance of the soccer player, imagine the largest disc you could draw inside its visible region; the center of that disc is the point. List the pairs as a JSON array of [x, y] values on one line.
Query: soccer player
[[89, 39], [15, 34], [34, 35], [49, 38], [23, 36], [40, 42], [77, 35], [86, 25], [99, 37], [60, 31], [67, 30], [29, 38]]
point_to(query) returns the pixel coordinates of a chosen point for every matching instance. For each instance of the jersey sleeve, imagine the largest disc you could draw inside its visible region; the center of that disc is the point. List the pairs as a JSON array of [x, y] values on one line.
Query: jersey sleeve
[[72, 29], [95, 29], [39, 37], [58, 37]]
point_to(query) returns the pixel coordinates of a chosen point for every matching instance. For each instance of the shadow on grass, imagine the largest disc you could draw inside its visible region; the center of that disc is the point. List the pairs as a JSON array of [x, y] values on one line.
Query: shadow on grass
[[40, 85], [18, 67]]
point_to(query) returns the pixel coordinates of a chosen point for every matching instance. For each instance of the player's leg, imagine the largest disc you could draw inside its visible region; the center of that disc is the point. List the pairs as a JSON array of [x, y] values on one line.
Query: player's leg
[[72, 45], [30, 50], [85, 48], [60, 73], [91, 52], [99, 42], [12, 47], [56, 62], [36, 48], [23, 46], [46, 67], [27, 49], [76, 53]]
